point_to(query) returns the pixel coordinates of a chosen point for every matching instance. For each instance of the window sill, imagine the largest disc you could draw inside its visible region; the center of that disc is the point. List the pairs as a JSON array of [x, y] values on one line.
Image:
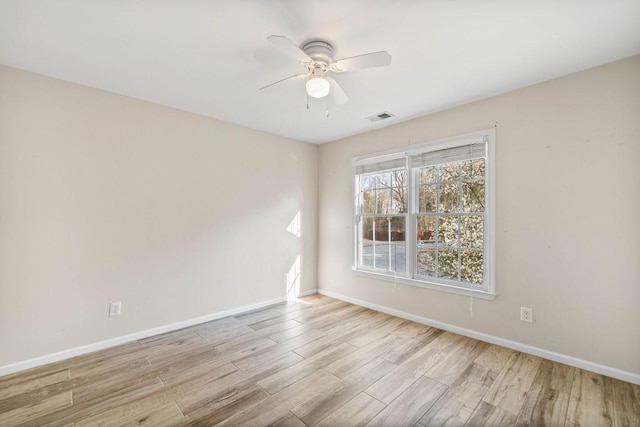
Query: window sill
[[428, 285]]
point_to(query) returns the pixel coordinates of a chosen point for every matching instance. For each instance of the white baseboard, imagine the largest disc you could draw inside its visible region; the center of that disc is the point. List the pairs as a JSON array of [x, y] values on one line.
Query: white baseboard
[[556, 357], [77, 351], [309, 292]]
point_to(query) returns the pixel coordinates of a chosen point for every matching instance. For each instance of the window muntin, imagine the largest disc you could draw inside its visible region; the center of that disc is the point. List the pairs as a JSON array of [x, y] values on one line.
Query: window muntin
[[436, 195]]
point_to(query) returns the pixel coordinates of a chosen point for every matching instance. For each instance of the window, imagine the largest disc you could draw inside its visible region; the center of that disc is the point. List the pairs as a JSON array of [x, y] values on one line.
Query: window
[[383, 220], [424, 215]]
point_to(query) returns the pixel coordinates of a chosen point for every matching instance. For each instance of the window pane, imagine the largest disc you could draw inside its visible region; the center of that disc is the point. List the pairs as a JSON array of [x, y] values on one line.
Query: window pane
[[398, 258], [450, 171], [447, 231], [365, 244], [399, 202], [382, 229], [472, 231], [398, 191], [448, 263], [389, 251], [449, 197], [472, 266], [398, 261], [366, 182], [366, 253], [399, 178], [426, 230], [383, 180], [473, 196], [368, 201], [367, 229], [427, 198], [380, 259], [428, 175], [383, 200], [427, 262], [473, 169], [397, 229]]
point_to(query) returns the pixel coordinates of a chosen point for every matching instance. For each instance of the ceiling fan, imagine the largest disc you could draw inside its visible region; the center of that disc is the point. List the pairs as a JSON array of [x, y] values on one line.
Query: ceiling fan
[[317, 57]]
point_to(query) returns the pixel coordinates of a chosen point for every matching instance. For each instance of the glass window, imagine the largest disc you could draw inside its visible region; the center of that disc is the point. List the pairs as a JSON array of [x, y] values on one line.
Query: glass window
[[382, 222], [423, 214]]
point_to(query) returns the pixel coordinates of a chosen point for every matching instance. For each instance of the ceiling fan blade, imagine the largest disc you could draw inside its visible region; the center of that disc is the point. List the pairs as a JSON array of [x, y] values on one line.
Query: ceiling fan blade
[[336, 93], [368, 60], [295, 76], [289, 47]]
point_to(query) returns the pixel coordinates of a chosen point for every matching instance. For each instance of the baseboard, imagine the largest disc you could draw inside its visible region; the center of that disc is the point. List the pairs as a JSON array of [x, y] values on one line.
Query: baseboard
[[78, 351], [309, 292], [546, 354]]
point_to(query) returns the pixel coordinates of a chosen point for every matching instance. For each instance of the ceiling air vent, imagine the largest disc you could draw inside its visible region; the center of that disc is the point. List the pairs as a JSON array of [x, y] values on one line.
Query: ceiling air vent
[[380, 116]]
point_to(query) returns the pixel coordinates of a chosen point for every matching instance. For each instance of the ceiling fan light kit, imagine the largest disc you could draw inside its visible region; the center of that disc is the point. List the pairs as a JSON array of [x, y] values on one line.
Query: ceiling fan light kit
[[318, 87], [317, 57]]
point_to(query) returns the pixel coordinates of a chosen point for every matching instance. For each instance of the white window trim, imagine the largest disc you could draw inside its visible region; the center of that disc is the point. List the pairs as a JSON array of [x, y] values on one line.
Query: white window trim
[[489, 238]]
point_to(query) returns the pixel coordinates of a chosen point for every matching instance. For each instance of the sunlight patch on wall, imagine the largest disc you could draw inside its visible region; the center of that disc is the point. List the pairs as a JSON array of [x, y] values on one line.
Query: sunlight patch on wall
[[293, 280], [294, 226]]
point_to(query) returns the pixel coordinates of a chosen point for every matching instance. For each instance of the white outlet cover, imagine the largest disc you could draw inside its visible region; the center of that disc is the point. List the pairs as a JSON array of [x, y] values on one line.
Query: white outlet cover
[[526, 314], [115, 309]]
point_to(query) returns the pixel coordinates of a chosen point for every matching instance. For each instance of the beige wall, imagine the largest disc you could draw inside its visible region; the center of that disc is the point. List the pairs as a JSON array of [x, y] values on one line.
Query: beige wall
[[106, 198], [568, 216]]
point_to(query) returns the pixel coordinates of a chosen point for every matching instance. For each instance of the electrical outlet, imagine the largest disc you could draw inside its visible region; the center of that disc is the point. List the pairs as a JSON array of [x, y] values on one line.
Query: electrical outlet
[[115, 309], [526, 314]]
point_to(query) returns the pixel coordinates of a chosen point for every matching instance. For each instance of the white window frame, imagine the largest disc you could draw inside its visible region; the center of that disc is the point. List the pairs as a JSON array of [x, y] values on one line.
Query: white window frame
[[484, 291]]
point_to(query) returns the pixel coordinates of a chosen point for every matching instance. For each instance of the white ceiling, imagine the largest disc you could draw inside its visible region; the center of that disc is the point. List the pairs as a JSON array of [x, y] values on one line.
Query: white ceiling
[[211, 56]]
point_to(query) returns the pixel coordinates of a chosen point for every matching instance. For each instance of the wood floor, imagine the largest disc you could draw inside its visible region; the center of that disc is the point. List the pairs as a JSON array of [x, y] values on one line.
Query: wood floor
[[317, 361]]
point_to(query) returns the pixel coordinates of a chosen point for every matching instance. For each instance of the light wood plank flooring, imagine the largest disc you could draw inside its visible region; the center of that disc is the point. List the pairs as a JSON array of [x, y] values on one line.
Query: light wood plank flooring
[[316, 361]]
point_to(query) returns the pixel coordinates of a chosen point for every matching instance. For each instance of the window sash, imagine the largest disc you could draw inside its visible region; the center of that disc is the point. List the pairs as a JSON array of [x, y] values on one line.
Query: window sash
[[388, 243], [458, 247]]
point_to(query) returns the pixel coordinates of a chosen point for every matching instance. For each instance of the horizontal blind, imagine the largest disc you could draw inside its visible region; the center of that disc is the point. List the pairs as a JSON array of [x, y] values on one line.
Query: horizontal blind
[[448, 155], [381, 165]]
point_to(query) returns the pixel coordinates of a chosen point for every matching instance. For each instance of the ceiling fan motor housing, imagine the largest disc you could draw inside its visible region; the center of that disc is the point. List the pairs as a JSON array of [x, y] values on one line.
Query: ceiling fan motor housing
[[320, 51]]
